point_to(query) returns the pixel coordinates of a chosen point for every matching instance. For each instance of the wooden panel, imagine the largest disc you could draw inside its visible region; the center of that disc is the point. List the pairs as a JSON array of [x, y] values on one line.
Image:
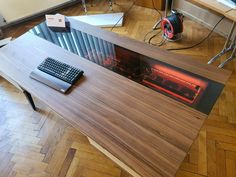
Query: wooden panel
[[10, 80], [159, 4], [41, 144], [231, 15], [20, 132], [146, 130], [213, 5], [113, 158]]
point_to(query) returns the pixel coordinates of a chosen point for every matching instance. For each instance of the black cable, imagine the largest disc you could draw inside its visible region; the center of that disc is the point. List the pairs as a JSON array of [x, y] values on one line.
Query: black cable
[[161, 43], [150, 39], [144, 39], [163, 40], [160, 14], [124, 14], [153, 4], [200, 42]]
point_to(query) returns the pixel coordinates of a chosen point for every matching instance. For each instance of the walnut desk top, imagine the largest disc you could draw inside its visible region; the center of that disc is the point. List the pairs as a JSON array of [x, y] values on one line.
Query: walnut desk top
[[147, 130]]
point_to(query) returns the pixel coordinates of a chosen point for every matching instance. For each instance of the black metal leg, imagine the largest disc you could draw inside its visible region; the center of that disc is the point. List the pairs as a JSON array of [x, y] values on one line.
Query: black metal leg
[[1, 34], [111, 4], [30, 99], [227, 46], [84, 6]]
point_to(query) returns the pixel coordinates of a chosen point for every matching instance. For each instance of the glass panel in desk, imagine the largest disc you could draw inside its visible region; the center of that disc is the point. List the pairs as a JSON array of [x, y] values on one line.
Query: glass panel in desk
[[193, 90]]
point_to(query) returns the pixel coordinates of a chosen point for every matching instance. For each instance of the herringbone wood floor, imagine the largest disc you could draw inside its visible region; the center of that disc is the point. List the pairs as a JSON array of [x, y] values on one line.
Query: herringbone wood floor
[[39, 144]]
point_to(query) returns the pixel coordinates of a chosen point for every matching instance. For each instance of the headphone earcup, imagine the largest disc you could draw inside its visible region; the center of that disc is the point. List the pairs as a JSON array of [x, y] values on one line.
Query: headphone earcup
[[167, 27], [177, 24], [172, 25]]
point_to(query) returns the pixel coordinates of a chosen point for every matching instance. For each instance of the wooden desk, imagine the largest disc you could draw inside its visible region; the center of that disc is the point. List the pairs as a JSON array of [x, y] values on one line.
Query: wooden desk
[[146, 132], [231, 15], [213, 5]]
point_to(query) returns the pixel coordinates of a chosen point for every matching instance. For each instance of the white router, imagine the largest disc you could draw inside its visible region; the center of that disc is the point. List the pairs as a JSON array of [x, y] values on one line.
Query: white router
[[102, 20]]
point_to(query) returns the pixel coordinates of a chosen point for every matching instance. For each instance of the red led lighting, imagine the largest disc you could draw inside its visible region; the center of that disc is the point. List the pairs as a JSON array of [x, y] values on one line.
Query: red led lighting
[[175, 83], [181, 75]]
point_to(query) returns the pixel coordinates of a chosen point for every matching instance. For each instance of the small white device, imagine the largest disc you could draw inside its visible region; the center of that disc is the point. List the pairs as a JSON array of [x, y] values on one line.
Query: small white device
[[57, 21]]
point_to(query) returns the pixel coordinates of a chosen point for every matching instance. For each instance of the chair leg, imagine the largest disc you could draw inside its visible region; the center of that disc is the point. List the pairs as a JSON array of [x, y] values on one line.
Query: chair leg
[[111, 5], [226, 48], [232, 56], [1, 34], [84, 6], [30, 99]]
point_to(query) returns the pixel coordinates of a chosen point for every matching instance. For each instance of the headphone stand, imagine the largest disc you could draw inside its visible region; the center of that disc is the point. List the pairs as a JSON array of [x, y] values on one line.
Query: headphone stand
[[166, 13], [174, 39]]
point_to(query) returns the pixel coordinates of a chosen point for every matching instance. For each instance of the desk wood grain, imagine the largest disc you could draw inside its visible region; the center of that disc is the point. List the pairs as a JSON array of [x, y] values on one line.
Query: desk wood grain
[[212, 5], [149, 132], [231, 15]]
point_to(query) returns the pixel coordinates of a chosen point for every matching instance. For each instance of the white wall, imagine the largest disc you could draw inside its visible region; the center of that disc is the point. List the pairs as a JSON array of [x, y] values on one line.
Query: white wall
[[2, 21], [13, 10], [203, 16]]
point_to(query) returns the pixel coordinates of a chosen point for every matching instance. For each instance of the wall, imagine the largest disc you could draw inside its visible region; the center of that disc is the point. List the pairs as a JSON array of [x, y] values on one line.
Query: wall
[[13, 10], [203, 16], [2, 21]]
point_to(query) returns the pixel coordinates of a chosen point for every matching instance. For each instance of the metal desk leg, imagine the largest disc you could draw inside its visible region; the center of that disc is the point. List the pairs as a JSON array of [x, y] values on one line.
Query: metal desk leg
[[84, 6], [233, 47], [1, 34], [229, 59], [30, 99], [226, 46], [111, 5]]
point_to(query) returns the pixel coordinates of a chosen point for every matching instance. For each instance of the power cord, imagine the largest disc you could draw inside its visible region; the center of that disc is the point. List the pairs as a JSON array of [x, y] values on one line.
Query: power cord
[[161, 43], [145, 37], [124, 14], [150, 39], [153, 4], [160, 14], [200, 42]]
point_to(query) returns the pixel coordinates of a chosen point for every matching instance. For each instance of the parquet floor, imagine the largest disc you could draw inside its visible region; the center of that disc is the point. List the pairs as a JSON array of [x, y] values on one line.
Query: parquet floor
[[41, 144]]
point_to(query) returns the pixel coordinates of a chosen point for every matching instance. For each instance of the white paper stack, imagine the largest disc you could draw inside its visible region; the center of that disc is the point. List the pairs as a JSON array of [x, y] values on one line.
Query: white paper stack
[[102, 20]]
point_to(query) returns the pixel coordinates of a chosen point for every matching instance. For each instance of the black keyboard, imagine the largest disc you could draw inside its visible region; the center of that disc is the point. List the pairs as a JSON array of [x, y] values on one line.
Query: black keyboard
[[60, 70]]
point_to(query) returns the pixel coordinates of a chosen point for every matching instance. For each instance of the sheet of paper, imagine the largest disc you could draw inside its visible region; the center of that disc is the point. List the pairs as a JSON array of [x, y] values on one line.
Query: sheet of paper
[[102, 20]]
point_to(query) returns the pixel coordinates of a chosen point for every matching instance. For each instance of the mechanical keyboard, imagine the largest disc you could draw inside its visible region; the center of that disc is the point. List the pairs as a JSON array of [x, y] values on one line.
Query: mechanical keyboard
[[60, 70], [56, 74]]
